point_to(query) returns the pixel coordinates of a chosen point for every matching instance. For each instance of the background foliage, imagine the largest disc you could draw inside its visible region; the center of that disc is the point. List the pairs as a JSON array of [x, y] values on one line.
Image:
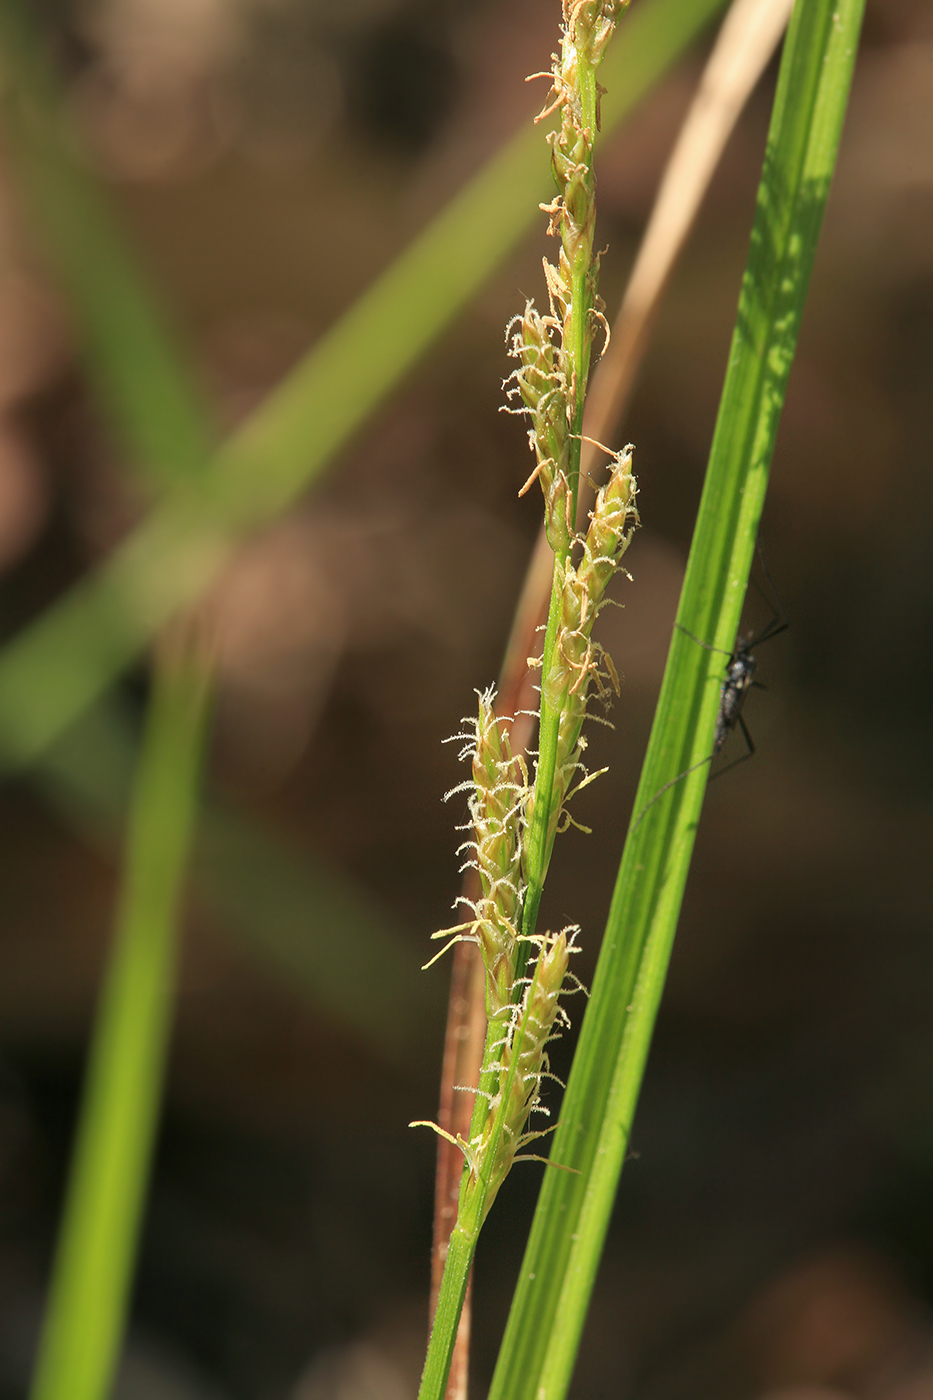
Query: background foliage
[[784, 1157]]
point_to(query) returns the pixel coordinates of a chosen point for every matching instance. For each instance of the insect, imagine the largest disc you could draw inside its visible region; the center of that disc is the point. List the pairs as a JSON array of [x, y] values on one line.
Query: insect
[[737, 682]]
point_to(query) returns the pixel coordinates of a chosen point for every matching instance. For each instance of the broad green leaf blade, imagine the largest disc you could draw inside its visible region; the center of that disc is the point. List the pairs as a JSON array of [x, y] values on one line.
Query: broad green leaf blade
[[543, 1332], [97, 1245], [56, 667]]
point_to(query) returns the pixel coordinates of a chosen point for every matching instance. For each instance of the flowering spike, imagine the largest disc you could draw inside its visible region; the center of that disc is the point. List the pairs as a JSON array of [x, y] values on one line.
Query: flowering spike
[[523, 1061], [513, 827], [498, 790]]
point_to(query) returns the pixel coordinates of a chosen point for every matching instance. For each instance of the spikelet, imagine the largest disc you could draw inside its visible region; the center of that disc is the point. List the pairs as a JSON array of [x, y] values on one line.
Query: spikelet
[[498, 792], [540, 382], [550, 380], [521, 1064], [531, 1028], [547, 387], [581, 667]]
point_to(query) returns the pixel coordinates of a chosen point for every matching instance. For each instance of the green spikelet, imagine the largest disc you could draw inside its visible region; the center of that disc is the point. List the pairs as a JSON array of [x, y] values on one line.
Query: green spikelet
[[522, 1064], [580, 666], [498, 793]]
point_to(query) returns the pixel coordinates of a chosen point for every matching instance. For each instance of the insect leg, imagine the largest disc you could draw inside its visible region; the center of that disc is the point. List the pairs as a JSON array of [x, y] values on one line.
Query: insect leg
[[748, 753], [707, 647], [661, 791], [779, 621]]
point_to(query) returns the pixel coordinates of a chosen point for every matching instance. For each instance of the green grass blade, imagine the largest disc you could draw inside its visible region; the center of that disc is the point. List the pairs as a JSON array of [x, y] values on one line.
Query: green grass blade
[[60, 663], [94, 1263], [560, 1264]]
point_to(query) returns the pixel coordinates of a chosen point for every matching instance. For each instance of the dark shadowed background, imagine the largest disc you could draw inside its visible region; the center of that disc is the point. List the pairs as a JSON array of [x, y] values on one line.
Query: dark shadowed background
[[774, 1233]]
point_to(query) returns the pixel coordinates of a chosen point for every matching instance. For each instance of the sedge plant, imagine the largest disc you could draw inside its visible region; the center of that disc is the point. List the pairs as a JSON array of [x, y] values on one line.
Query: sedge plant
[[70, 655], [592, 1137], [203, 500], [514, 823]]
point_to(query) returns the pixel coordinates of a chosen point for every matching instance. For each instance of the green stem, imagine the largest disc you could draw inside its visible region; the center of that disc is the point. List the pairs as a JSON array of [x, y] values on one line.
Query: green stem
[[471, 1212], [580, 337], [460, 1251], [484, 1177], [538, 853]]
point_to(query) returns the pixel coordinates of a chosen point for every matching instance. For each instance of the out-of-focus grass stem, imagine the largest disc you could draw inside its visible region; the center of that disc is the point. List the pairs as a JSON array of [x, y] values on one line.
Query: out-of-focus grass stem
[[95, 1257]]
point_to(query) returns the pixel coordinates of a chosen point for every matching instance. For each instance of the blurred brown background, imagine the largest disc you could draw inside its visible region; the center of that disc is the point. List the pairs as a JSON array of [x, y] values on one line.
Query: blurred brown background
[[774, 1234]]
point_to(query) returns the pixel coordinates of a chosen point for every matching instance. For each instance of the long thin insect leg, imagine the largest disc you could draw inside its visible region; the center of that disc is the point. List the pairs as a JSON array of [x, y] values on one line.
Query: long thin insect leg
[[780, 620], [706, 646], [736, 761], [661, 791]]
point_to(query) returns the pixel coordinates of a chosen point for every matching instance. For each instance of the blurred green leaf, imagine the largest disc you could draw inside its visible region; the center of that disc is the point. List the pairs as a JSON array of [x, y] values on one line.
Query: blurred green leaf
[[64, 660], [306, 922], [132, 355], [97, 1246], [284, 906]]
